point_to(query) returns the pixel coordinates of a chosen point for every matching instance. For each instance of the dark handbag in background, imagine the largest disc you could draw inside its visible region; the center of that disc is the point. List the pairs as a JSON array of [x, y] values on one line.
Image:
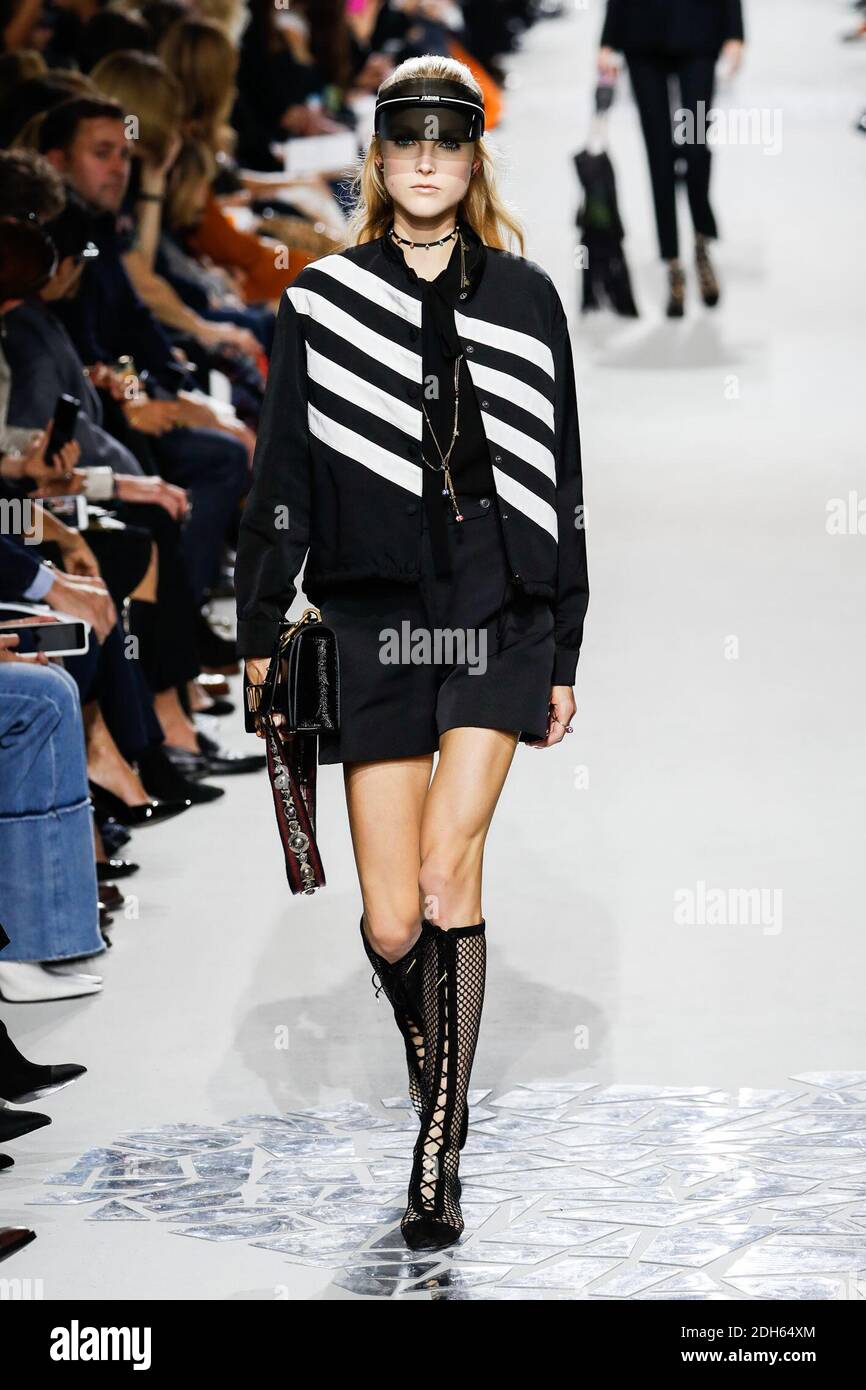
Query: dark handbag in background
[[302, 685]]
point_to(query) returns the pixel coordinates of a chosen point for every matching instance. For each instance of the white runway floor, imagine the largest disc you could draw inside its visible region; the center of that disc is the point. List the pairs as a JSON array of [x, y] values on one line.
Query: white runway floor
[[691, 1098]]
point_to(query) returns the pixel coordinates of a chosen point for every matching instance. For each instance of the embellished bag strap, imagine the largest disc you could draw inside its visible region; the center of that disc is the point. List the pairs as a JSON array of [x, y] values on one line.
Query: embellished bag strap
[[292, 772]]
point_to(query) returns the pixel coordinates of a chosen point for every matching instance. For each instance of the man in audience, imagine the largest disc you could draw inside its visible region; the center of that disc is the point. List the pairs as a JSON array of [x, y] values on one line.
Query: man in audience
[[85, 141]]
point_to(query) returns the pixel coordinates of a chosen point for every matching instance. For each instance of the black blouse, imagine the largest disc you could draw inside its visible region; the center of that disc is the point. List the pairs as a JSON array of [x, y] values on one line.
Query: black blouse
[[471, 472]]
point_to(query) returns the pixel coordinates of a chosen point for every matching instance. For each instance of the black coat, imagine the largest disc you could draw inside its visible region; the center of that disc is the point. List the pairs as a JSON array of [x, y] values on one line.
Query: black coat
[[671, 26], [338, 471]]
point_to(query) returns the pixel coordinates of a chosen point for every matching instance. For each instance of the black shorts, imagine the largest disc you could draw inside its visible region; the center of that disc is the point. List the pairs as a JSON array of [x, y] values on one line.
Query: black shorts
[[418, 659]]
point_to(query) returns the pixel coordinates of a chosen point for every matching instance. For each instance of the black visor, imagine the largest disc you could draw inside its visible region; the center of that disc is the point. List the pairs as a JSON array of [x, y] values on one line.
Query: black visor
[[429, 110]]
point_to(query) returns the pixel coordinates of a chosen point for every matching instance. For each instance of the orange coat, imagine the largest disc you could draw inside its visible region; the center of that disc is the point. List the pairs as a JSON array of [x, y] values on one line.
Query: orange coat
[[215, 236]]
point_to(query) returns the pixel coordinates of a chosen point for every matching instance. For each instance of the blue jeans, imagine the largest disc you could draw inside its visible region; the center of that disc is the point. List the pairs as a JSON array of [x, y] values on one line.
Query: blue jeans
[[48, 894]]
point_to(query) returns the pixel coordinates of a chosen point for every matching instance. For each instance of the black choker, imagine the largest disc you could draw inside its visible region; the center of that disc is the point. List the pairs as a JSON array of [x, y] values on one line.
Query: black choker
[[422, 244]]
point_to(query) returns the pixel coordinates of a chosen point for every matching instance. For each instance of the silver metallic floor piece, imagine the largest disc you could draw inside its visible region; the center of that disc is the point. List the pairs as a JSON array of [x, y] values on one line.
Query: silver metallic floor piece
[[569, 1191]]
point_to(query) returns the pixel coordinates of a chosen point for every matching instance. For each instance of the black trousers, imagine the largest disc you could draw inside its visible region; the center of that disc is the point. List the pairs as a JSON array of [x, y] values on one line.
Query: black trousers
[[652, 76]]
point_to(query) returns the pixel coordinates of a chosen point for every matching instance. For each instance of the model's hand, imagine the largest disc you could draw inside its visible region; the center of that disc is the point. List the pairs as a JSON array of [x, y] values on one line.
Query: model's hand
[[257, 669], [731, 56], [562, 709], [608, 64]]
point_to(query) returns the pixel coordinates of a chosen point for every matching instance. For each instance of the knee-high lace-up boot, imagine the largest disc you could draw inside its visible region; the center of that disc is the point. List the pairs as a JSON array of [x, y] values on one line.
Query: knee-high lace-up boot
[[400, 981], [453, 966]]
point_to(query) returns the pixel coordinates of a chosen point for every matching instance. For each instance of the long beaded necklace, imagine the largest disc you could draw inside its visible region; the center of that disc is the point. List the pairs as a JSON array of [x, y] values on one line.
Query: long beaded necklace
[[444, 465]]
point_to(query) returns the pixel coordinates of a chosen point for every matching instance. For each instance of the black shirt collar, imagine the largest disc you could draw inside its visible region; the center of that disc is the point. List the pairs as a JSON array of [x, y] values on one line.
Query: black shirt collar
[[448, 282], [446, 292]]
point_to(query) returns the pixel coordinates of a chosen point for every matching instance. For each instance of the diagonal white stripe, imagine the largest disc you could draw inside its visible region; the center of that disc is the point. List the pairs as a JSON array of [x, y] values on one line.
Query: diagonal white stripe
[[350, 387], [511, 388], [371, 286], [525, 501], [520, 444], [522, 345], [321, 310], [354, 446]]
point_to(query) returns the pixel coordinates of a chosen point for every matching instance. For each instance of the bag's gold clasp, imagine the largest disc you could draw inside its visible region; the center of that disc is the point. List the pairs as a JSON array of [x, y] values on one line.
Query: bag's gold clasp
[[309, 615]]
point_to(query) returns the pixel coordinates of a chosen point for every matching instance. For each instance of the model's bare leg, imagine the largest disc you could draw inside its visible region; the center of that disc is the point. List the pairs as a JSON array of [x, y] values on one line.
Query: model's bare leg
[[473, 764], [469, 777], [385, 801]]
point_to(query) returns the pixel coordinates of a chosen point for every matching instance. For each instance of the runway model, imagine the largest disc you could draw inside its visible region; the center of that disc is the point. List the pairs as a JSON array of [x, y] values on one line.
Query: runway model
[[419, 446], [679, 39]]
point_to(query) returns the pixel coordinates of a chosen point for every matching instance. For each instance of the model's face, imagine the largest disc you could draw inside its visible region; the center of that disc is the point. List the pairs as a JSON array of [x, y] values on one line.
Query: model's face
[[427, 176], [97, 164]]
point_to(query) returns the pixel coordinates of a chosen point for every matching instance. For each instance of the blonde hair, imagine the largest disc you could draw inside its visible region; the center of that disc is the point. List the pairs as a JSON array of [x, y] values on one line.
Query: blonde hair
[[203, 59], [482, 205], [196, 164], [229, 14], [145, 88]]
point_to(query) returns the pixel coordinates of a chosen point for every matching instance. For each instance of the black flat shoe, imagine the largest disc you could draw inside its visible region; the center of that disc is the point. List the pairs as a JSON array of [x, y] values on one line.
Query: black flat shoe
[[22, 1081], [6, 1162], [114, 868], [114, 836], [49, 1079], [111, 898], [14, 1123], [219, 707], [105, 802], [161, 778], [225, 762], [14, 1238]]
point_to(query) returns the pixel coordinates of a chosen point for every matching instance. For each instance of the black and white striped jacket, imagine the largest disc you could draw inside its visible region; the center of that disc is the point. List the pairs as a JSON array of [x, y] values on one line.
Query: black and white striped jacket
[[337, 473]]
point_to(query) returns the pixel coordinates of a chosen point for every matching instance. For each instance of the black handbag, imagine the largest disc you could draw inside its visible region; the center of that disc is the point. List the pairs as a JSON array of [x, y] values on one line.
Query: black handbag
[[303, 685]]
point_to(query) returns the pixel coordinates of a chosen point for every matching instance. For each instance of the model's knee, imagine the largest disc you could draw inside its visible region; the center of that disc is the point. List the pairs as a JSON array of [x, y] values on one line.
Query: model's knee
[[391, 931], [447, 874]]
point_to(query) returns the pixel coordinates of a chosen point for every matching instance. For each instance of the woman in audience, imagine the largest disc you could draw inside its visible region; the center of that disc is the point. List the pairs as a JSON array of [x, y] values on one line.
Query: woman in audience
[[47, 877], [152, 97], [202, 58]]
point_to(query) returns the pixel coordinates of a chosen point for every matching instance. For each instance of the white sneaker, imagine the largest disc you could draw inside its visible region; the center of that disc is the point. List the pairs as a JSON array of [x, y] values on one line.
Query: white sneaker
[[26, 982]]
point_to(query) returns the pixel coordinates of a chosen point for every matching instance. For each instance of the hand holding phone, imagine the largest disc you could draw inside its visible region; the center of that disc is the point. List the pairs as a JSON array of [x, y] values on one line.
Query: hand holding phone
[[62, 425], [44, 634]]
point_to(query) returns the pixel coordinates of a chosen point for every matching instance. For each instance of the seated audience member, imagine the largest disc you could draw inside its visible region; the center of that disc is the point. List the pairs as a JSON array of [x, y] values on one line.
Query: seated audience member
[[140, 83], [109, 32], [48, 892], [213, 289], [85, 141], [160, 612], [48, 886], [204, 61]]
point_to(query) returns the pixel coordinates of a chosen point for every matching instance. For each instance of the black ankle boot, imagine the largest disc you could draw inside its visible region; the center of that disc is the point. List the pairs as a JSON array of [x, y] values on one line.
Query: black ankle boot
[[400, 982], [454, 966]]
